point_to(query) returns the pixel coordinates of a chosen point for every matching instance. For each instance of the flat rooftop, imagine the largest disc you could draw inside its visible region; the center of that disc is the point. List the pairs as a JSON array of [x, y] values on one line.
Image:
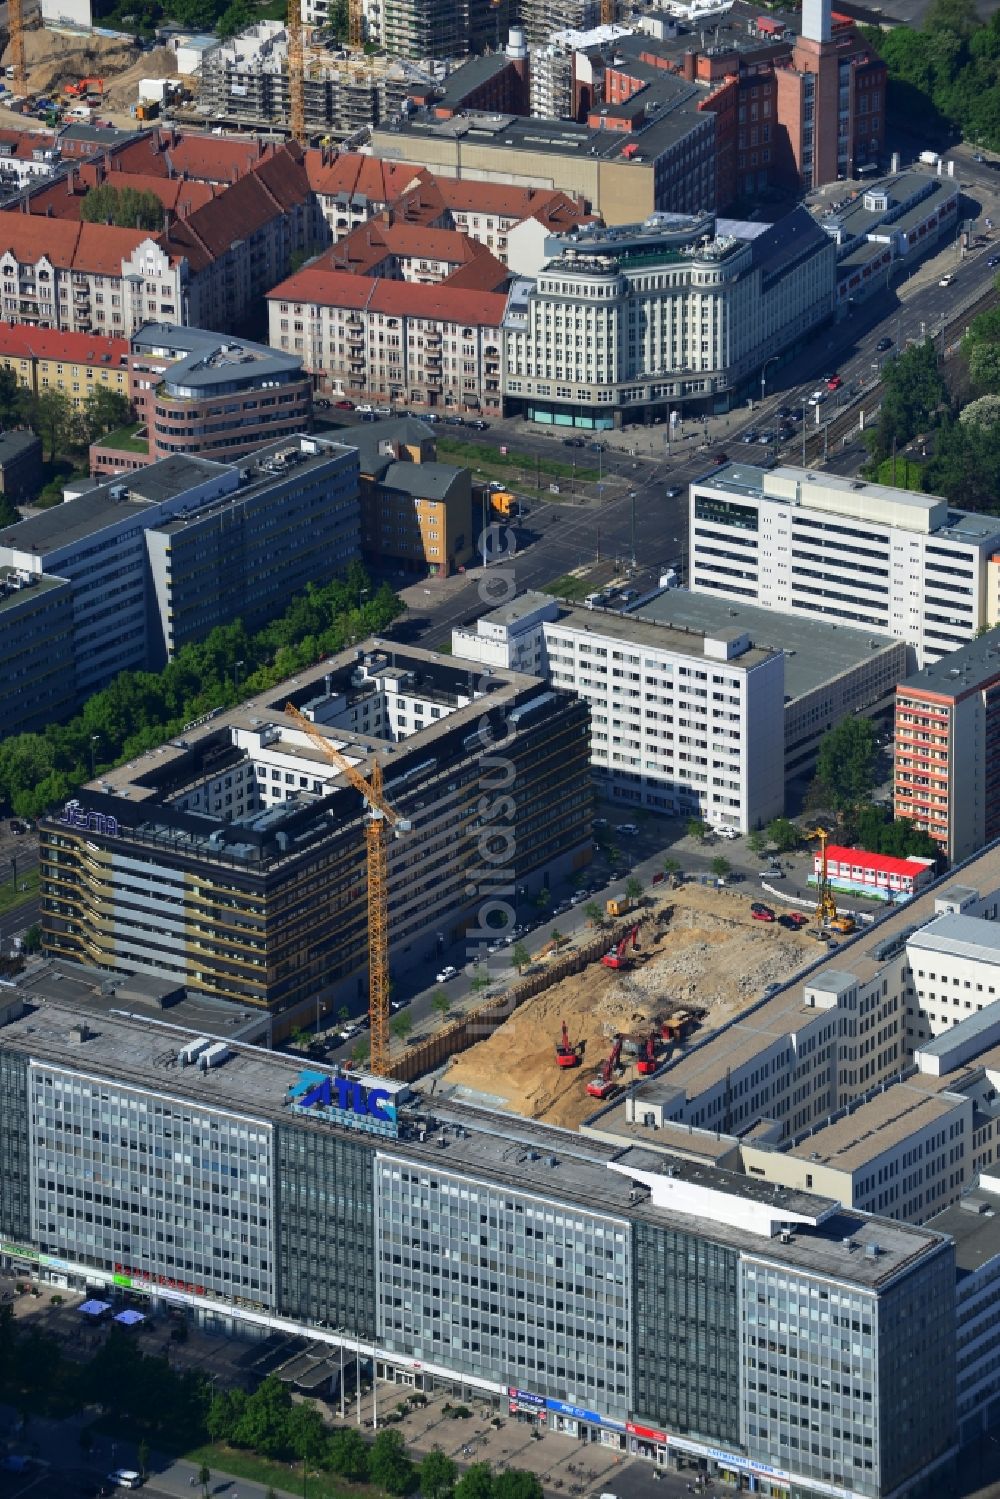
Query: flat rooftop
[[961, 671], [473, 1143], [959, 937], [14, 591], [642, 631], [705, 1063], [877, 1125], [814, 652], [975, 1229]]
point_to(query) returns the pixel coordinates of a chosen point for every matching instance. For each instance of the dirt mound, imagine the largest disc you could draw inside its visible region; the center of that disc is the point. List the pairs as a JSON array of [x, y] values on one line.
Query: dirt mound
[[123, 90], [711, 955], [54, 59]]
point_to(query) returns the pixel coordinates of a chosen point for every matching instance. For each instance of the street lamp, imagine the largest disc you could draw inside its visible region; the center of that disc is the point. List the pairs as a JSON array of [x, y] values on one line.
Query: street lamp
[[93, 740], [763, 376]]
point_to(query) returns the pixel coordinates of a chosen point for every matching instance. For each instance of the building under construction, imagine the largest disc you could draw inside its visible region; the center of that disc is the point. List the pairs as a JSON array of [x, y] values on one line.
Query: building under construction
[[246, 82], [232, 859]]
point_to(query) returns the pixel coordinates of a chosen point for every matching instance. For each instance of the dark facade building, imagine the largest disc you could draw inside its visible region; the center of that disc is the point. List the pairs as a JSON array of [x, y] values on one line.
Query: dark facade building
[[616, 1293], [20, 465], [233, 859]]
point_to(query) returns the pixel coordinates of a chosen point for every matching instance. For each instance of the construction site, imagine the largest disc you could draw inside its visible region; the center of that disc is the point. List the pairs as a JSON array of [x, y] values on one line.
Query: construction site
[[693, 959]]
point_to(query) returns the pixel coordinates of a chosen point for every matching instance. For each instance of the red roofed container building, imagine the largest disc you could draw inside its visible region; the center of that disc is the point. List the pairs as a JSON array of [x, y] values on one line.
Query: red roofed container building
[[878, 876]]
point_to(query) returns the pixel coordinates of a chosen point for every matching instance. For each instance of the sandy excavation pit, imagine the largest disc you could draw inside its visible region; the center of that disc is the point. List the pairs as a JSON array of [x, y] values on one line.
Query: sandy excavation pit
[[712, 954]]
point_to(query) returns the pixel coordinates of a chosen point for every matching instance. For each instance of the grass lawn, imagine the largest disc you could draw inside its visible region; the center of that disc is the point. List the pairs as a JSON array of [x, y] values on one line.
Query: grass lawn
[[221, 1459], [568, 587], [520, 469], [9, 897], [125, 440]]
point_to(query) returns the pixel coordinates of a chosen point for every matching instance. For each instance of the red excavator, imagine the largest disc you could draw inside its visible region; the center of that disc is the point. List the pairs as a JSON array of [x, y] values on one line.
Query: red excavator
[[566, 1055], [647, 1062], [601, 1085], [615, 957]]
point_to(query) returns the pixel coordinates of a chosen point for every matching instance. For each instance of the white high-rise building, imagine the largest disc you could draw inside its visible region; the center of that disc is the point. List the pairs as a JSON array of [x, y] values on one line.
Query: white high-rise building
[[857, 554]]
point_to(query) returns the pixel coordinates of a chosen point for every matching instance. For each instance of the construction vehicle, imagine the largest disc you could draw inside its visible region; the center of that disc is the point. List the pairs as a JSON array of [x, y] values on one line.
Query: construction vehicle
[[826, 907], [604, 1083], [89, 89], [379, 816], [618, 905], [616, 957], [566, 1054], [676, 1026], [502, 501], [647, 1063]]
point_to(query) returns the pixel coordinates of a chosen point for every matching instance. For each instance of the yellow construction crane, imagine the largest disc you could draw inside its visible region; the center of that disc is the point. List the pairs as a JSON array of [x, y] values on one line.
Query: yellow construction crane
[[380, 816], [826, 906], [355, 25], [15, 23], [296, 72]]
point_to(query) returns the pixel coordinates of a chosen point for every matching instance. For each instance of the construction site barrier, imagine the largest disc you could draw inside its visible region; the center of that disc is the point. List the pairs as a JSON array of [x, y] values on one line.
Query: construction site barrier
[[481, 1022]]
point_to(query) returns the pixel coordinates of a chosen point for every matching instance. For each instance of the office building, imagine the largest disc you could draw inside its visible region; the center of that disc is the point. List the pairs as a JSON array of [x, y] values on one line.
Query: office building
[[208, 394], [36, 650], [865, 556], [301, 1207], [946, 773], [639, 320], [893, 222], [245, 814], [689, 696], [160, 558]]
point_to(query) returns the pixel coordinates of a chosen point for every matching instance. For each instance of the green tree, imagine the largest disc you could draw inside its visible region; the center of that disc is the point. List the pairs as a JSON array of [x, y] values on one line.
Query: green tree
[[126, 207], [347, 1454], [437, 1475], [671, 867], [480, 979], [783, 834], [103, 411], [515, 1483], [556, 936], [14, 399], [633, 887], [593, 913], [544, 898], [697, 828], [359, 1055], [441, 1003], [913, 392], [225, 1412], [33, 938], [846, 762], [389, 1464], [476, 1482], [264, 1425], [520, 956], [401, 1025], [756, 841], [234, 19], [720, 866], [55, 421]]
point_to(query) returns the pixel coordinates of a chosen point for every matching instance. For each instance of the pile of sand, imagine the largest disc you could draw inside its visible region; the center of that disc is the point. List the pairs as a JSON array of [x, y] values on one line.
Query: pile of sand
[[711, 955], [123, 90], [55, 58]]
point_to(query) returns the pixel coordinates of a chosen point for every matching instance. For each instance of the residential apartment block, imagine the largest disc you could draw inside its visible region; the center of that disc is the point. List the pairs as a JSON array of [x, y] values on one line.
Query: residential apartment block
[[946, 773], [414, 510], [633, 320], [160, 558], [865, 556], [245, 813], [73, 363], [689, 697]]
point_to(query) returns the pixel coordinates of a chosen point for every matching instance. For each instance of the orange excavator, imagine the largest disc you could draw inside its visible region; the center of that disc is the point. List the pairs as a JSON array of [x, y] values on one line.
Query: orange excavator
[[616, 956], [647, 1062], [604, 1083], [566, 1054]]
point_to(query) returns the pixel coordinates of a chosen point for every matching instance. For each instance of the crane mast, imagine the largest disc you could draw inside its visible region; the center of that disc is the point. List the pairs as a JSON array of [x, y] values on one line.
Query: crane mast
[[380, 816]]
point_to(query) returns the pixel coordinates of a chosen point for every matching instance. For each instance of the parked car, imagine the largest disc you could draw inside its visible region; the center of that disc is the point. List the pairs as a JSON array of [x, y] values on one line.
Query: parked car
[[793, 920], [946, 279], [627, 829], [125, 1478], [480, 425], [598, 447], [883, 344], [994, 260], [344, 405], [323, 402], [448, 972], [454, 421], [729, 833], [818, 397], [573, 442], [673, 492], [761, 913], [834, 382], [364, 409]]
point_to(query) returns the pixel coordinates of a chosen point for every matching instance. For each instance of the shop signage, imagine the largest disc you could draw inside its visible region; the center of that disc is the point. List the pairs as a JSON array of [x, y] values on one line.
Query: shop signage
[[18, 1251], [526, 1399], [344, 1101], [647, 1434], [575, 1411], [75, 816]]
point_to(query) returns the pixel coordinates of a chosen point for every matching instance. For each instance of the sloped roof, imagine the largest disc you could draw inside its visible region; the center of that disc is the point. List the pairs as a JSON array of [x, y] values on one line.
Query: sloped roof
[[440, 303], [276, 182], [352, 175], [98, 248], [377, 240], [19, 341], [64, 199]]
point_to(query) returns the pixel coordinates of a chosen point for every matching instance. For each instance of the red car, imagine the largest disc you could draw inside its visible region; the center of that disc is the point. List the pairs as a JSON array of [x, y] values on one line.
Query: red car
[[344, 405], [794, 919], [760, 912], [834, 382]]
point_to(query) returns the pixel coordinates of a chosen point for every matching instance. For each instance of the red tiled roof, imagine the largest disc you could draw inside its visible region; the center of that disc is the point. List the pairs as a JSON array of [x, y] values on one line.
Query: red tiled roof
[[27, 142], [377, 240], [17, 341], [485, 273], [365, 176], [503, 199], [64, 199], [276, 182], [84, 247], [441, 303]]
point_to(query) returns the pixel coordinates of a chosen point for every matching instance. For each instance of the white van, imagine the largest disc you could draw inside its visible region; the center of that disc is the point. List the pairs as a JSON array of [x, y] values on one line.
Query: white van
[[125, 1478]]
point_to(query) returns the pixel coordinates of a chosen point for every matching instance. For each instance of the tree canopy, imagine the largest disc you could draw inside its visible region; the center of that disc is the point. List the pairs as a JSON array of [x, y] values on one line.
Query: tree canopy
[[845, 765], [127, 207], [946, 75], [913, 395], [873, 828]]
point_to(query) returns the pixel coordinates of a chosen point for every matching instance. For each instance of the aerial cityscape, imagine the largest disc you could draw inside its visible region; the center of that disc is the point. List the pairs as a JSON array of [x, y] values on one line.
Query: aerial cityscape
[[500, 749]]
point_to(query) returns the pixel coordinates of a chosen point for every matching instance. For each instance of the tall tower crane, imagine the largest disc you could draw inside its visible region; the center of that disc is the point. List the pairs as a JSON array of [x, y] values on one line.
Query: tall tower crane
[[15, 23], [296, 71], [380, 815]]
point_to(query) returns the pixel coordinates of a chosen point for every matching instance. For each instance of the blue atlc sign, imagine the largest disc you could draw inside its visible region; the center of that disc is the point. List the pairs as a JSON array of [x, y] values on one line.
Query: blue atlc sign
[[345, 1101]]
